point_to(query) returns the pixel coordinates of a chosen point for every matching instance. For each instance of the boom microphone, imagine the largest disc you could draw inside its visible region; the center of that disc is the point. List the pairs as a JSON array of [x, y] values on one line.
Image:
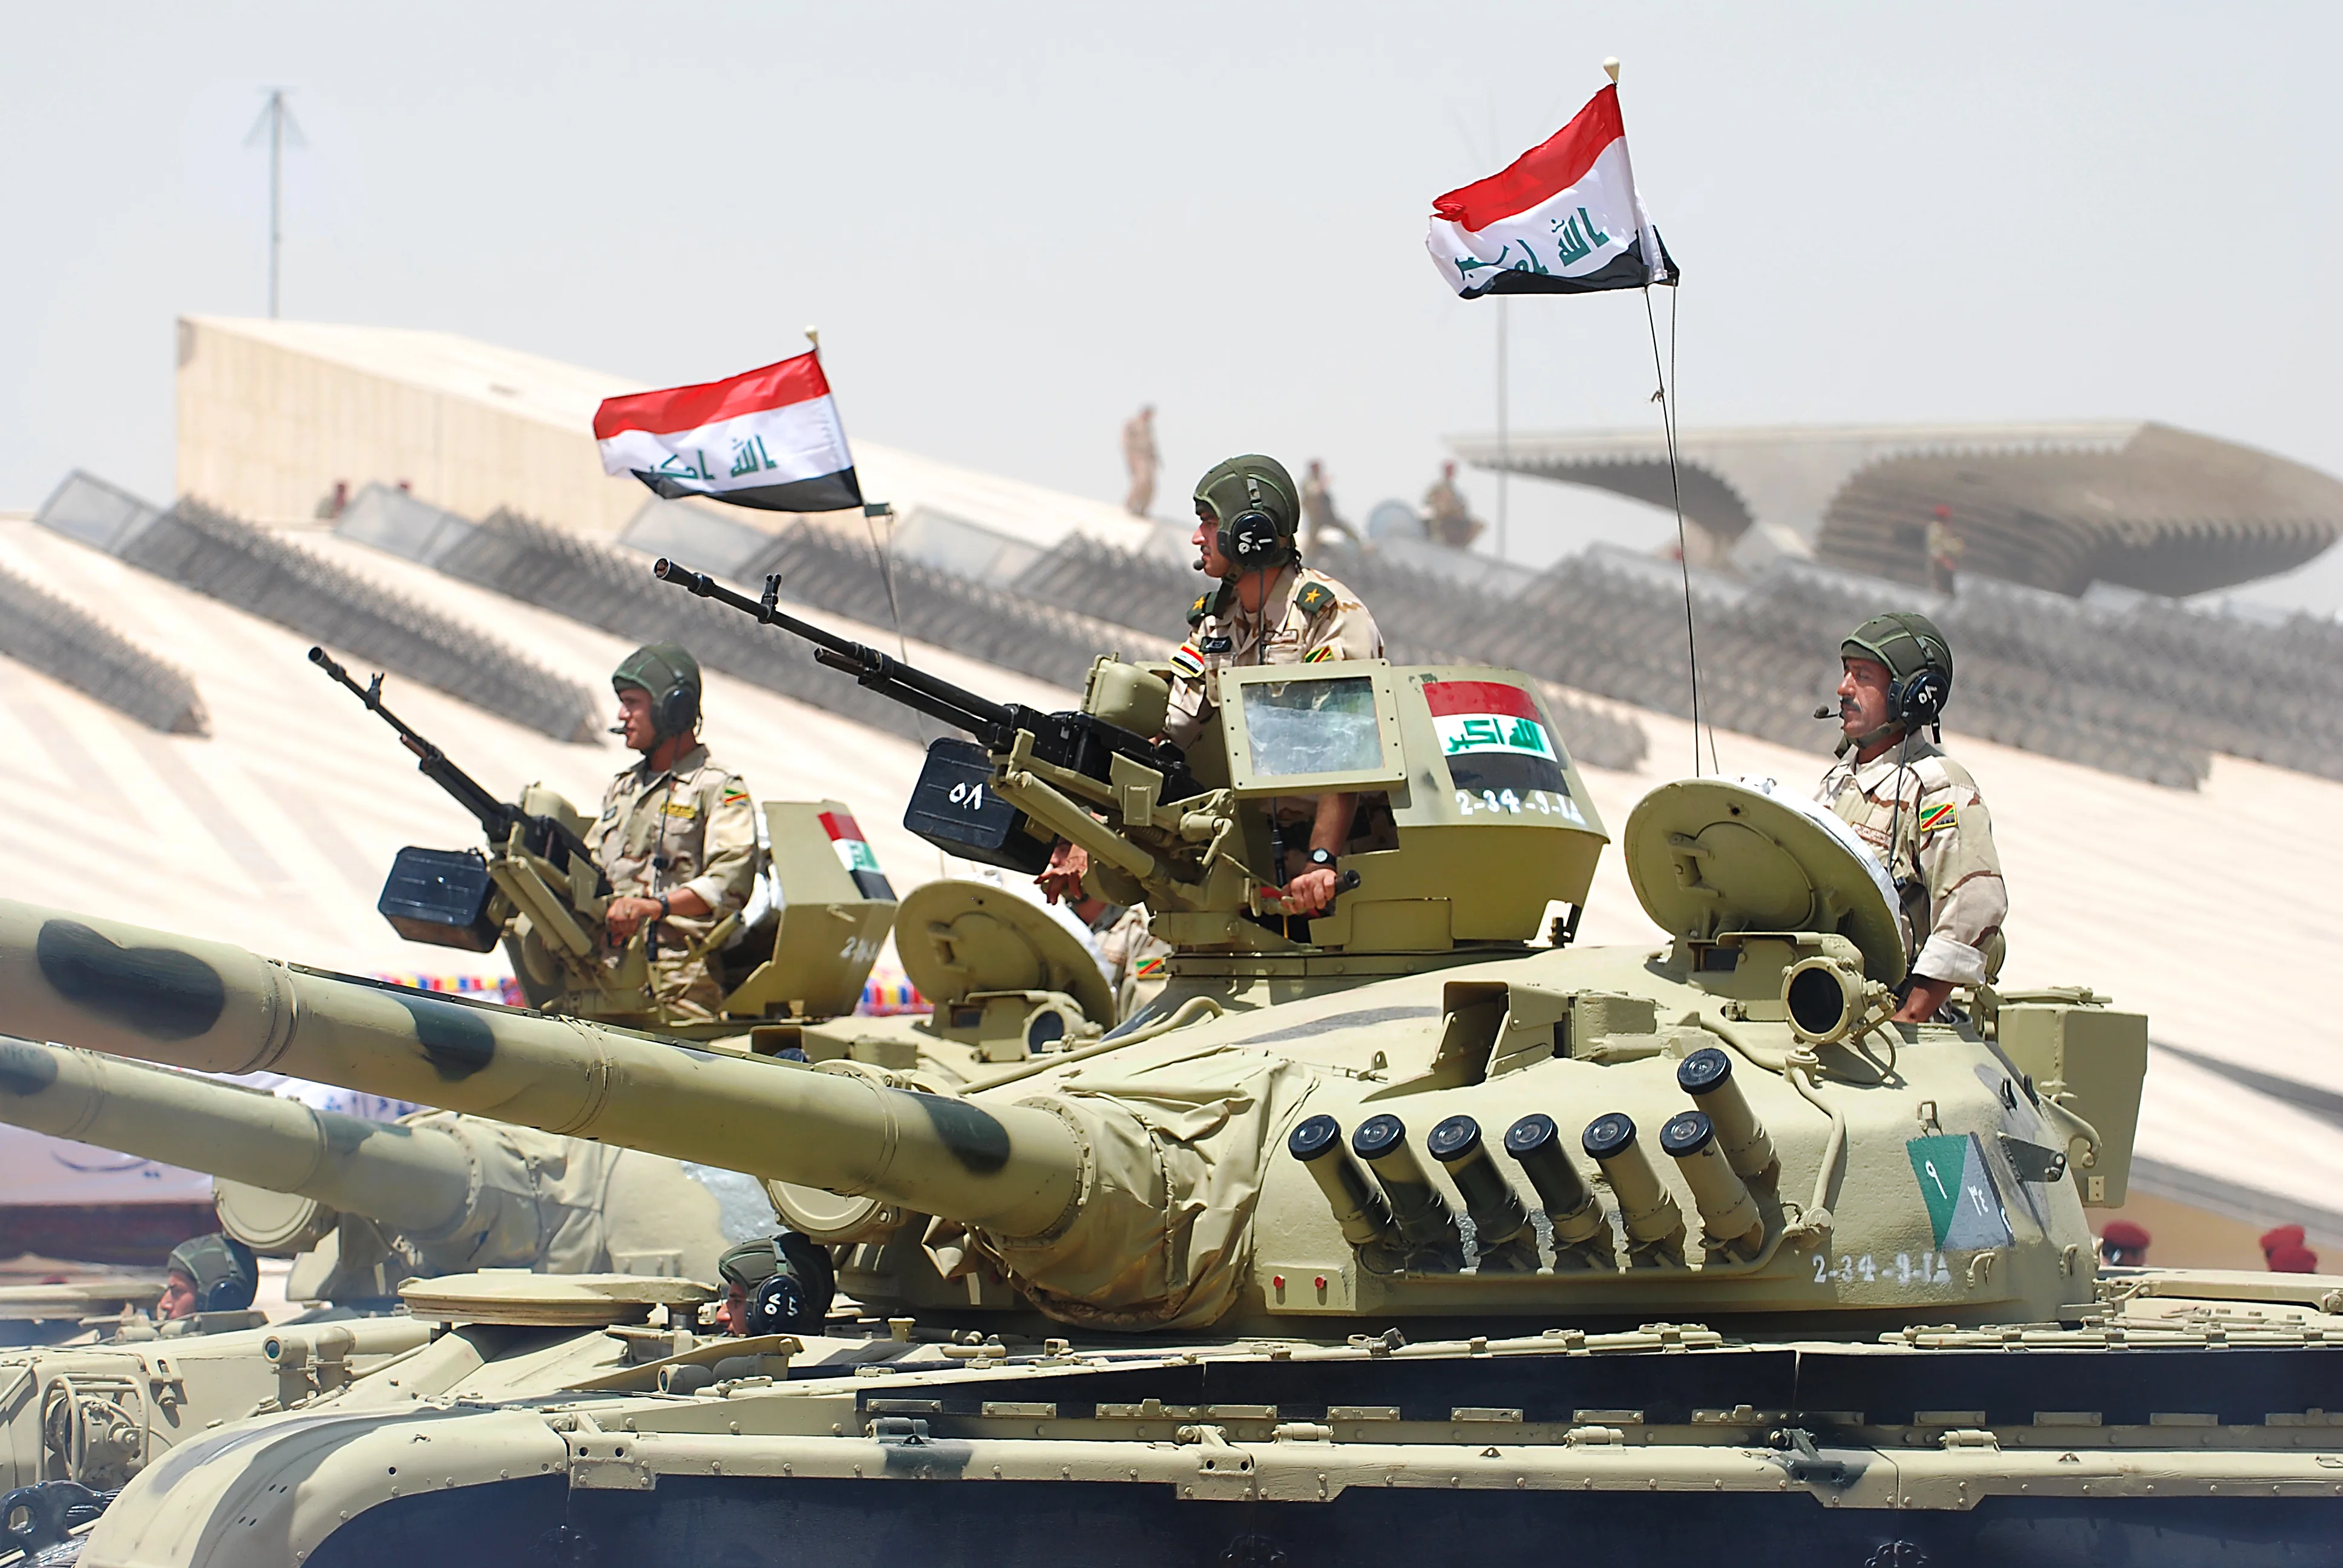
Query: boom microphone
[[1825, 713]]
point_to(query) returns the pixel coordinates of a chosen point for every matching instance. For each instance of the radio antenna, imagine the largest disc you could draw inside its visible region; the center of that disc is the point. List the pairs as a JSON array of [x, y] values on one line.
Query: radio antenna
[[275, 125]]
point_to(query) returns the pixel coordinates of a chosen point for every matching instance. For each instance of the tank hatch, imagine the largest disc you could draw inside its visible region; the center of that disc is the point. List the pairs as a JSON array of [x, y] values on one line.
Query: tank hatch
[[1708, 856], [957, 938], [530, 1299]]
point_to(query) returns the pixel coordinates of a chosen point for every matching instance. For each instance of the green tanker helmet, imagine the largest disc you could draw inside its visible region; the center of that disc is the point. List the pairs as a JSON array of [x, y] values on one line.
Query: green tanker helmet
[[1908, 645], [222, 1269], [1253, 501], [667, 672]]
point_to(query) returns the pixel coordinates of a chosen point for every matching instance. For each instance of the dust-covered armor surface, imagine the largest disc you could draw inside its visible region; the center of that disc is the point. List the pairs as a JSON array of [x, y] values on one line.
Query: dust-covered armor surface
[[1395, 1237]]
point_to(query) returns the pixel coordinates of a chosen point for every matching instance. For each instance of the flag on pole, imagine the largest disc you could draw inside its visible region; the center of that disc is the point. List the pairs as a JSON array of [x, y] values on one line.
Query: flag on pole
[[768, 438], [1565, 218]]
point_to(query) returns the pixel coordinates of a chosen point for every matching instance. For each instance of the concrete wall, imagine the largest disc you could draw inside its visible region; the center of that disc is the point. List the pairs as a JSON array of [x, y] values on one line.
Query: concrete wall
[[264, 431]]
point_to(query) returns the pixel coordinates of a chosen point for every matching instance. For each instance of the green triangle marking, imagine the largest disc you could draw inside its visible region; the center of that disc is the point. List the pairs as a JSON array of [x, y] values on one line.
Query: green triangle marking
[[1938, 1163]]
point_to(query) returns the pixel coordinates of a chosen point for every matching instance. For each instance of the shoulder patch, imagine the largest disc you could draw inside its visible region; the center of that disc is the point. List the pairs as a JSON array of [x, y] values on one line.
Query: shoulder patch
[[1319, 655], [1315, 598], [733, 791], [1188, 661], [1940, 815], [1200, 608]]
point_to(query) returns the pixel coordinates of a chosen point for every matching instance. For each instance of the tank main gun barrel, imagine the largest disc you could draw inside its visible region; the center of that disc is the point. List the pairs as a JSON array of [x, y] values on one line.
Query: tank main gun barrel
[[413, 1179], [104, 986]]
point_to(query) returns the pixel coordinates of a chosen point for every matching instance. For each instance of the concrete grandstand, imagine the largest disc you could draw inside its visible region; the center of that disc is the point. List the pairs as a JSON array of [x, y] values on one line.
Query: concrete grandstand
[[275, 831]]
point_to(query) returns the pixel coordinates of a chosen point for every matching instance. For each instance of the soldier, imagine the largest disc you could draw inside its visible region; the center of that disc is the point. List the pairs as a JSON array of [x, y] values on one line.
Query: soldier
[[211, 1273], [1317, 511], [749, 1307], [1945, 548], [1269, 608], [1916, 808], [678, 834], [1139, 456], [1445, 515]]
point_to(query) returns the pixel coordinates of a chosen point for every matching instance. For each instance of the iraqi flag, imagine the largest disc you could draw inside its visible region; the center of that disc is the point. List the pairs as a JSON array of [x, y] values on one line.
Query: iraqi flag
[[1565, 218], [769, 438], [1500, 752]]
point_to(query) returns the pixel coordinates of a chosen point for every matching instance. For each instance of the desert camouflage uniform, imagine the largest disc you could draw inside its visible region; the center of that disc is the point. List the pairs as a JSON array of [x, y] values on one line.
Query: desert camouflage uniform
[[1135, 961], [1316, 618], [1954, 903], [698, 820]]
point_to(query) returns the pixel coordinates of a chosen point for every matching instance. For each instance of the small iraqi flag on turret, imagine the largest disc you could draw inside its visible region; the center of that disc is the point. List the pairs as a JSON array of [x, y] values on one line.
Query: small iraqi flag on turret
[[768, 438], [1565, 218]]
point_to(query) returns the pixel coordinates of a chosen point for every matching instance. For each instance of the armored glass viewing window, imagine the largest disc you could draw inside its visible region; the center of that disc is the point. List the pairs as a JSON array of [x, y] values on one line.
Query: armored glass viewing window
[[1290, 731]]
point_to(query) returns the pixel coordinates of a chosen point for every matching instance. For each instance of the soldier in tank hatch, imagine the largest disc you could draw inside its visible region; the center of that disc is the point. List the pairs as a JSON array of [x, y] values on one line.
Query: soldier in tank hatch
[[1267, 608], [210, 1273], [1917, 809], [677, 835]]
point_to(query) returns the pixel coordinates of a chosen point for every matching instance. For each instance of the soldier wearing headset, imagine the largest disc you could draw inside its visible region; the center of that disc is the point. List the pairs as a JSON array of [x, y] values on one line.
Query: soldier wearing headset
[[1266, 608], [1917, 809], [677, 835]]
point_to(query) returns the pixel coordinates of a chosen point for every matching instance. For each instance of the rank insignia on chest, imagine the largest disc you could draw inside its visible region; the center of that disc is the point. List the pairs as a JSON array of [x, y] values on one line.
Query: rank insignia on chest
[[1940, 815], [1187, 661], [683, 809], [1314, 600], [1215, 644]]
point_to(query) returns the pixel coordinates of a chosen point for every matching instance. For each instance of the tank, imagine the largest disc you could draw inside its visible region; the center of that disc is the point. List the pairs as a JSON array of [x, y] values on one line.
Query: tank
[[366, 1204], [1397, 1237]]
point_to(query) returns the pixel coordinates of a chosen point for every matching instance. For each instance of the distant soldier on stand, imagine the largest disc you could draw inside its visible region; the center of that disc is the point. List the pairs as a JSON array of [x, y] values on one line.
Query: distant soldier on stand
[[1945, 546], [1318, 512], [1140, 457], [1267, 608], [677, 836], [1917, 809], [1446, 516]]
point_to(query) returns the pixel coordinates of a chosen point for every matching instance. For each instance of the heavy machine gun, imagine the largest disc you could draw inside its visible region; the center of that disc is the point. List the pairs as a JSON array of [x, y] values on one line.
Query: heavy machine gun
[[944, 809], [537, 890], [542, 833]]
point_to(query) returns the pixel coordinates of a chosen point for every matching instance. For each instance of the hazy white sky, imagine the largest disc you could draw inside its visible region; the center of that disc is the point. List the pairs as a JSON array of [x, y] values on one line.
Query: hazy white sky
[[1015, 224]]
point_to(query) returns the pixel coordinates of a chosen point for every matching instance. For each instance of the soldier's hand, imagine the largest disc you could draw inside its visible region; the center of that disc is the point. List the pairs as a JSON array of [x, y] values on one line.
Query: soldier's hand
[[1920, 1004], [1310, 893], [625, 915], [1062, 882]]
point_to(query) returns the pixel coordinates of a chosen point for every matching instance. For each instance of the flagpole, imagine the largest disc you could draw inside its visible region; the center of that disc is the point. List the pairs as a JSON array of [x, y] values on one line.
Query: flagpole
[[1504, 458]]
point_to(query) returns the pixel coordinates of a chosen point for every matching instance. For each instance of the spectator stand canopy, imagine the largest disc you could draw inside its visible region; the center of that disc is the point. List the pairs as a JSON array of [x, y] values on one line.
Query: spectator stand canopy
[[2057, 507]]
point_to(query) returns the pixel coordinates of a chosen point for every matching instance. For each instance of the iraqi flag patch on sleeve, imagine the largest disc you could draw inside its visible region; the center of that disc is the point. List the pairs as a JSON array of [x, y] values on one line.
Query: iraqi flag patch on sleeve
[[1188, 661]]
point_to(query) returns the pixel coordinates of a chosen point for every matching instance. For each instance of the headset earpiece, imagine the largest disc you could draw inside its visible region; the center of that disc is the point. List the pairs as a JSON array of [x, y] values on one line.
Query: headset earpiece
[[1918, 699], [676, 709], [1251, 540]]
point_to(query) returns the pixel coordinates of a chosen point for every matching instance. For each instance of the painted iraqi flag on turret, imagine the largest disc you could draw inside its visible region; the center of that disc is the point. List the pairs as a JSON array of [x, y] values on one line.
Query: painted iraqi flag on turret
[[1565, 218], [768, 438]]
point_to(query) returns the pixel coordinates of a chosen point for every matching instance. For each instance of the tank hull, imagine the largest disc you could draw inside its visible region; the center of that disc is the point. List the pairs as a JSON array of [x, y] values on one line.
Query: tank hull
[[1685, 1451]]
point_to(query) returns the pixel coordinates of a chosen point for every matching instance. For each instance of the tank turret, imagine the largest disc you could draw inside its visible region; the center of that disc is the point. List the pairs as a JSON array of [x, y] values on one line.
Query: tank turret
[[373, 1203], [1726, 1124]]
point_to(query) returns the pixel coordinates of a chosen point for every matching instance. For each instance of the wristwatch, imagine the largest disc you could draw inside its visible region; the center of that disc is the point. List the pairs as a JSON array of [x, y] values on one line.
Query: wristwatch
[[665, 908], [1322, 858]]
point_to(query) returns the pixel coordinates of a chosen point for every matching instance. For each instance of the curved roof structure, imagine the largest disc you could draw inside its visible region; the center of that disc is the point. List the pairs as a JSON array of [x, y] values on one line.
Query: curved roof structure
[[2054, 506]]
